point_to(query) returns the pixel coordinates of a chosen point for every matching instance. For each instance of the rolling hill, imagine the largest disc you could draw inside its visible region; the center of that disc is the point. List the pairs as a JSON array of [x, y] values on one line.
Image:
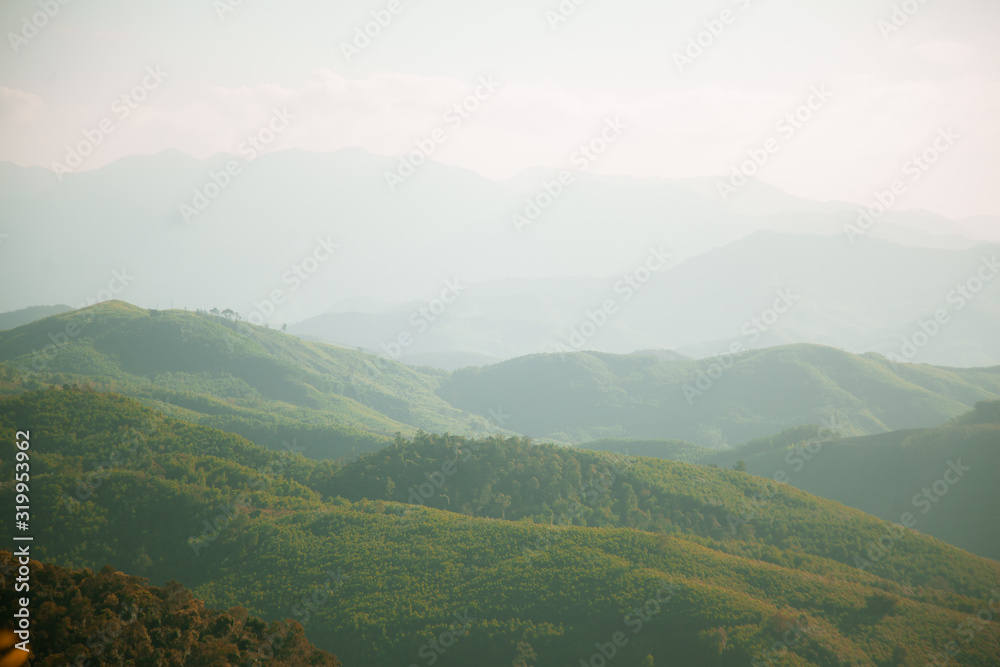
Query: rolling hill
[[336, 402], [716, 402], [887, 475], [242, 525], [267, 386]]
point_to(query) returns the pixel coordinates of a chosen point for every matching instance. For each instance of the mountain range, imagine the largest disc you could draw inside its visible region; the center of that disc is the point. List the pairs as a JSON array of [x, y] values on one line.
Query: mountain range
[[727, 262], [516, 554]]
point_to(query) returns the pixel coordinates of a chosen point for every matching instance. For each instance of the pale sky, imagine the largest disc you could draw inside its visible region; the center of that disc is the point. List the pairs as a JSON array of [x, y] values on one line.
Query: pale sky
[[889, 94]]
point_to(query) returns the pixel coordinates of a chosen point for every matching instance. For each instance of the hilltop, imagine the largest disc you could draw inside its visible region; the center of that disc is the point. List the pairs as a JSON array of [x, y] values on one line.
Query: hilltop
[[267, 386]]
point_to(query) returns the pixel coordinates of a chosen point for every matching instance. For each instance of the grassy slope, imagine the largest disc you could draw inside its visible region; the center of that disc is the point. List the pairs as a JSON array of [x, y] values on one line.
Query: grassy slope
[[885, 475], [405, 577], [587, 396], [260, 383]]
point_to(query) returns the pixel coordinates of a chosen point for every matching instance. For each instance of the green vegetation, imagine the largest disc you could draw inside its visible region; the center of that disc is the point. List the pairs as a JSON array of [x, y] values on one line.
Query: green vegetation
[[337, 403], [945, 477], [885, 475], [666, 553], [268, 387], [675, 450], [590, 396], [108, 618]]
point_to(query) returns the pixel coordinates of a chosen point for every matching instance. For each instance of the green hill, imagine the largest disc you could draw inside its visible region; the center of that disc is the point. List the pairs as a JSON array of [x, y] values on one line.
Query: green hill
[[108, 618], [943, 476], [334, 402], [590, 396], [384, 583], [269, 387]]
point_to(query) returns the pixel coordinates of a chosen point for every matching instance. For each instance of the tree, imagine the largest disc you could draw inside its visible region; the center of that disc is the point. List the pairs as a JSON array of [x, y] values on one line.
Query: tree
[[526, 655], [741, 466]]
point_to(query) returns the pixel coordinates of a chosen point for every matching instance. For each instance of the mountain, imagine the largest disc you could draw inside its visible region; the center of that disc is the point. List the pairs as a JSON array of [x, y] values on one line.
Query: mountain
[[272, 388], [942, 476], [111, 618], [454, 224], [939, 476], [763, 290], [18, 318], [336, 402], [715, 403], [704, 583]]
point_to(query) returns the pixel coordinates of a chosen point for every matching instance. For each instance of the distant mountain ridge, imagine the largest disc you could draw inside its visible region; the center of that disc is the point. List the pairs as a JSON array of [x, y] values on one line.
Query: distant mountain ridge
[[454, 223], [273, 388], [701, 306], [17, 318], [716, 403]]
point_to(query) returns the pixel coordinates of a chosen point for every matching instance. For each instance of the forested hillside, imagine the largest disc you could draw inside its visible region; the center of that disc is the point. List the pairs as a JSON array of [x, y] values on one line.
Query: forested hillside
[[109, 618], [264, 385], [337, 403], [716, 402], [942, 476], [720, 569]]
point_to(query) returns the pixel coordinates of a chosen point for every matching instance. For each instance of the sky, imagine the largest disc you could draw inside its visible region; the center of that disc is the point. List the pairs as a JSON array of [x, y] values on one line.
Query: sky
[[225, 67]]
